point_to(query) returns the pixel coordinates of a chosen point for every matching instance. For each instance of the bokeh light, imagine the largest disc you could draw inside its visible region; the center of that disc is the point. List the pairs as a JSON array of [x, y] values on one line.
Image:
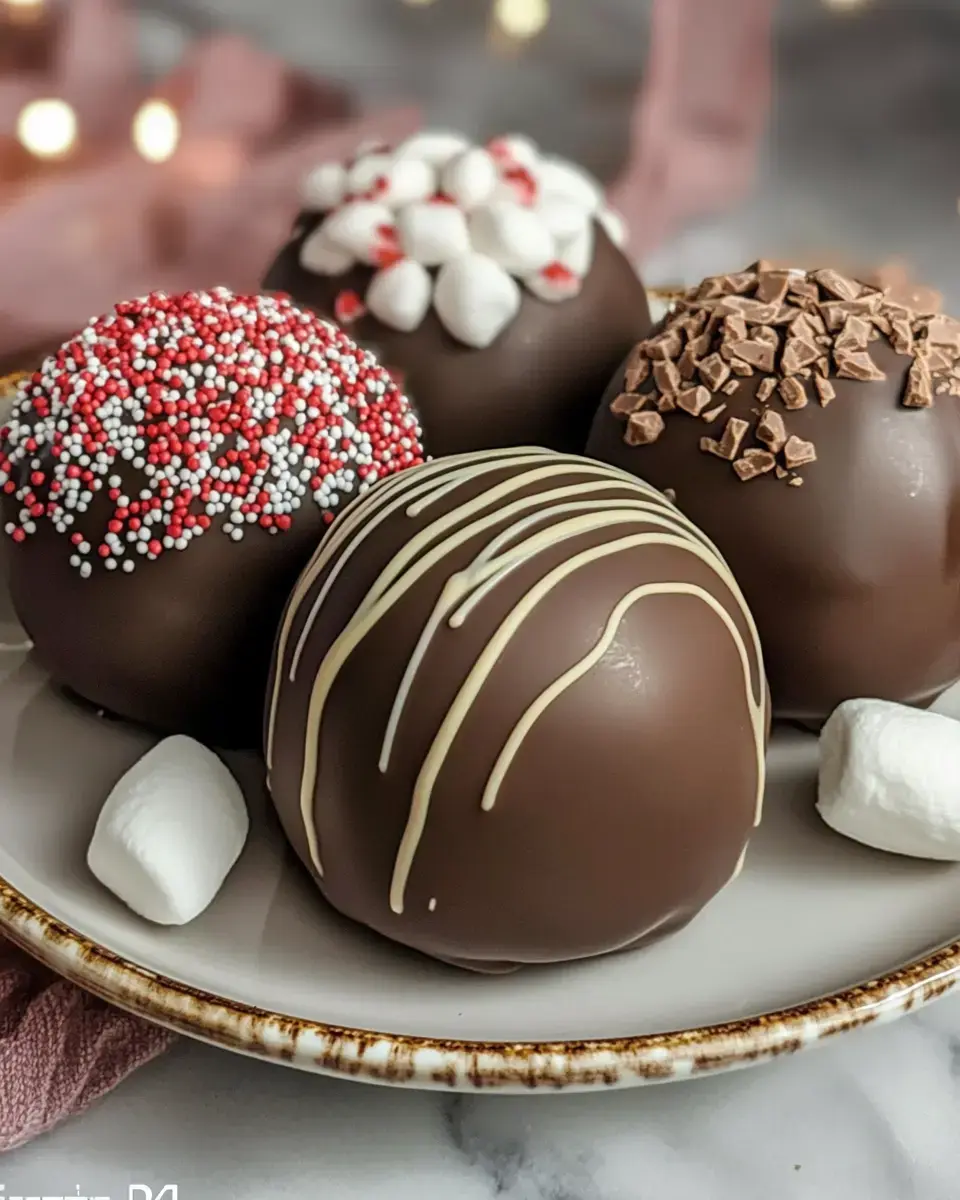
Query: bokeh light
[[47, 128], [521, 19], [156, 131]]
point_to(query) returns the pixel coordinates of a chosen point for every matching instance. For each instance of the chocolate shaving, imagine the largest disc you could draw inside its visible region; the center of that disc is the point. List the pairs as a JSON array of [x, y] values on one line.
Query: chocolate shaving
[[739, 367], [667, 345], [714, 371], [782, 472], [825, 390], [752, 311], [735, 328], [694, 400], [687, 364], [753, 464], [728, 447], [945, 331], [838, 285], [756, 353], [637, 370], [667, 377], [714, 413], [643, 428], [730, 387], [765, 389], [857, 365], [901, 335], [855, 335], [798, 453], [792, 393], [796, 481], [772, 431], [772, 286], [797, 354], [802, 287], [919, 390]]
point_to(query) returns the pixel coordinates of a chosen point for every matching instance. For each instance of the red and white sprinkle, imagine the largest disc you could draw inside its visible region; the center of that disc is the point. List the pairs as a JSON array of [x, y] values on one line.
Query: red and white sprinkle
[[175, 415]]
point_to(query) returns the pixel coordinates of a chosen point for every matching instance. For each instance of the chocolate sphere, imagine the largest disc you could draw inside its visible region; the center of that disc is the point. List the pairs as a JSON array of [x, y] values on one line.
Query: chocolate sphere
[[165, 478], [810, 427], [517, 712], [486, 278]]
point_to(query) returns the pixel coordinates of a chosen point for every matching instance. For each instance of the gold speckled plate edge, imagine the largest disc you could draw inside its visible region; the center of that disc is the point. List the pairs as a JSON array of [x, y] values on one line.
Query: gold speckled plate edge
[[444, 1064]]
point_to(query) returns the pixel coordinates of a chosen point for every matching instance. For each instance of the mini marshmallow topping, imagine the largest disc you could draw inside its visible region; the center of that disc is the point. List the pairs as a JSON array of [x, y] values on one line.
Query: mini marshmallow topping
[[890, 778], [170, 832], [503, 215]]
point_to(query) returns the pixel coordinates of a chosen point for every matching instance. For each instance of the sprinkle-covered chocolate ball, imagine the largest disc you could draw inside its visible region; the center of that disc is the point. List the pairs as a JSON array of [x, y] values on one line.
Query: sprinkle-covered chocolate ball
[[165, 477], [517, 712], [489, 278], [810, 426]]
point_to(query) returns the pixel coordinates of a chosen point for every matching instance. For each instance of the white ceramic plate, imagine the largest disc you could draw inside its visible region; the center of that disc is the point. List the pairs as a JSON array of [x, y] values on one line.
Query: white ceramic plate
[[818, 935]]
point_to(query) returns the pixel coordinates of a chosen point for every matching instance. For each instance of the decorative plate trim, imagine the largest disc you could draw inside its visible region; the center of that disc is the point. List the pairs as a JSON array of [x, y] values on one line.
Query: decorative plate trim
[[445, 1064]]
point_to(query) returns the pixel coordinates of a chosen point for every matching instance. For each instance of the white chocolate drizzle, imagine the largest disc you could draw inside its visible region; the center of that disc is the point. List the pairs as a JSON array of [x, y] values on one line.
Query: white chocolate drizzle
[[520, 517]]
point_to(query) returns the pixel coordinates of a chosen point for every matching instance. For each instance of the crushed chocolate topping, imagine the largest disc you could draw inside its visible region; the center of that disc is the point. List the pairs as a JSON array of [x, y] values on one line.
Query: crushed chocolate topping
[[787, 327], [644, 428], [797, 452], [754, 463], [772, 431]]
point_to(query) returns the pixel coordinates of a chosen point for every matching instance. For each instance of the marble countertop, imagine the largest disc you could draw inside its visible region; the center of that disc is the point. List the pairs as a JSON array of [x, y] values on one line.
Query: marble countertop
[[874, 1114]]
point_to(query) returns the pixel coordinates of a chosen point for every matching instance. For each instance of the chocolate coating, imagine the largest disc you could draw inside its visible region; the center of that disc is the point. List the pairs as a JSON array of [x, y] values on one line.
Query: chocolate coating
[[178, 637], [496, 785], [852, 573], [537, 384]]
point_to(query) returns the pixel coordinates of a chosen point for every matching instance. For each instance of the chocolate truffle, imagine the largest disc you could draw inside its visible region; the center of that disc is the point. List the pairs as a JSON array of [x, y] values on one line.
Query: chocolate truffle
[[517, 712], [165, 478], [810, 426], [488, 278]]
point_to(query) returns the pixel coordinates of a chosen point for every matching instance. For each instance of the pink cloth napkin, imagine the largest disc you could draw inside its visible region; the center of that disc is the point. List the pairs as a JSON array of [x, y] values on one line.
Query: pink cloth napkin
[[232, 196]]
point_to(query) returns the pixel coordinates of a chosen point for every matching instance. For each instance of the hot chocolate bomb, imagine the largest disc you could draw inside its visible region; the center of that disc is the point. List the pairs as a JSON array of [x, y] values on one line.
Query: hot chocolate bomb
[[484, 694], [165, 477], [488, 277], [811, 427]]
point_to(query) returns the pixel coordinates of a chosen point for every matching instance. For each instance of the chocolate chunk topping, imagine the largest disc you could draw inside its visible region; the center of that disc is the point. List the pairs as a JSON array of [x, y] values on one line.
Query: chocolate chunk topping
[[797, 452], [787, 326], [772, 431], [792, 393], [644, 428], [754, 463]]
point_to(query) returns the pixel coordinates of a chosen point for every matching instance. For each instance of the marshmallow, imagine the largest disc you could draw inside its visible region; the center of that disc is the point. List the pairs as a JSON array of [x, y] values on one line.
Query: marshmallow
[[323, 257], [325, 187], [614, 226], [409, 180], [554, 283], [399, 296], [513, 149], [560, 178], [367, 173], [475, 299], [513, 236], [433, 234], [890, 778], [563, 217], [469, 179], [434, 148], [170, 832], [360, 227], [577, 252]]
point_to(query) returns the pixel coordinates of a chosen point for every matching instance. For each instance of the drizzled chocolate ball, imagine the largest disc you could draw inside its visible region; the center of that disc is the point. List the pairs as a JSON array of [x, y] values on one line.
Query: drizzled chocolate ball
[[489, 279], [165, 476], [485, 691], [811, 427]]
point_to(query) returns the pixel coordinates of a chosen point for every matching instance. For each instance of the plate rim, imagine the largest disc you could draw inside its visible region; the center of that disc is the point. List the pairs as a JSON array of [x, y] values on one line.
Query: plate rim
[[447, 1064]]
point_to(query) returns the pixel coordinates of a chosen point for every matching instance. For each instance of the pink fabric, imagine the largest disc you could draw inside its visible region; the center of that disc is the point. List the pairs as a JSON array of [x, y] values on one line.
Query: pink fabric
[[60, 1048]]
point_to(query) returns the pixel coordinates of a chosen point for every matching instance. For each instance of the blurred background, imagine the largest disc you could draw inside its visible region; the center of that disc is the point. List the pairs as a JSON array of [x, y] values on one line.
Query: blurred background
[[159, 142]]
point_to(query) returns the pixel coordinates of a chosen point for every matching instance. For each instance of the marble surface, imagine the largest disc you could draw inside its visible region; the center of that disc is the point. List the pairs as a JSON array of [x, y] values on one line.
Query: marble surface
[[875, 1114]]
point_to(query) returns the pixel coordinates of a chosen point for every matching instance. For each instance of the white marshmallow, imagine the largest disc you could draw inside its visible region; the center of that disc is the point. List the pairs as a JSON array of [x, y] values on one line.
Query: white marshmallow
[[560, 178], [399, 296], [357, 227], [890, 778], [577, 253], [409, 180], [475, 299], [562, 216], [433, 234], [325, 187], [614, 226], [554, 284], [513, 236], [323, 257], [515, 149], [434, 148], [170, 832], [470, 178], [365, 172]]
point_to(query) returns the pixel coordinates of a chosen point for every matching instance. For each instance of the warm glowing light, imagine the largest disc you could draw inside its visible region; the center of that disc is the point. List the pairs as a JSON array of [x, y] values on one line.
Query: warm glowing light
[[47, 128], [845, 5], [25, 3], [521, 18], [418, 3], [156, 131]]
